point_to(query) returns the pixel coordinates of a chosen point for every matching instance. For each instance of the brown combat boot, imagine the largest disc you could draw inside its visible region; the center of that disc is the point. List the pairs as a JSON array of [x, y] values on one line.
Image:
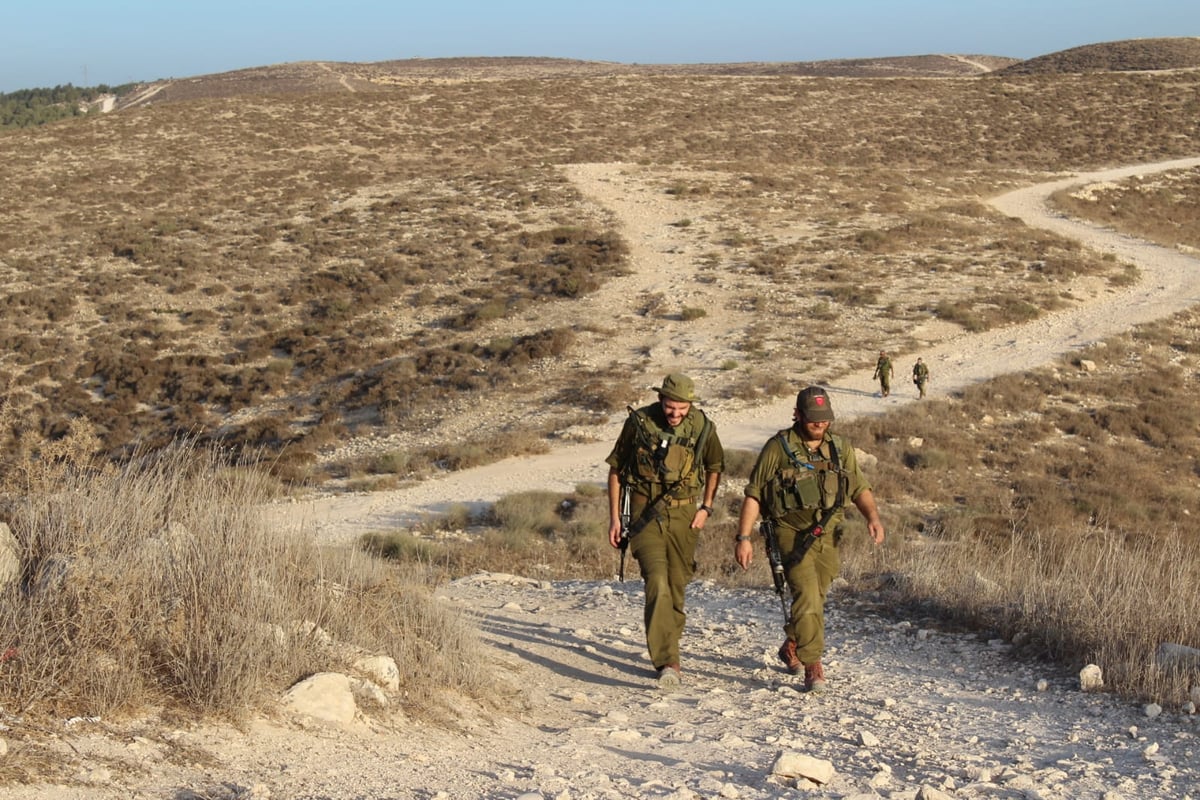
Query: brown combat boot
[[814, 677], [787, 654]]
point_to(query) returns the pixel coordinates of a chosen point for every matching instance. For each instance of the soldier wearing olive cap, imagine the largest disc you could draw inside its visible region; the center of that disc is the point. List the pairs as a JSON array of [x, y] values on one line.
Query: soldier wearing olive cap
[[669, 460], [803, 479]]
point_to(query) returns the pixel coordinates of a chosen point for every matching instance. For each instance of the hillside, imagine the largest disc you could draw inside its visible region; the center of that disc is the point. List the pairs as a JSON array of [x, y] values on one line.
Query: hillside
[[297, 272], [1123, 56], [321, 77], [917, 706]]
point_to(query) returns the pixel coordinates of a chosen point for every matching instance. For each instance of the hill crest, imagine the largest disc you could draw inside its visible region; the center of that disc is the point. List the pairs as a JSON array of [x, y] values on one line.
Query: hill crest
[[317, 77]]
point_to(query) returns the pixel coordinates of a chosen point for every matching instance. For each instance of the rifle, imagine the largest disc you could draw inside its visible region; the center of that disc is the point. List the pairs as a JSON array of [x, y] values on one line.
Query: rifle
[[625, 513], [775, 559]]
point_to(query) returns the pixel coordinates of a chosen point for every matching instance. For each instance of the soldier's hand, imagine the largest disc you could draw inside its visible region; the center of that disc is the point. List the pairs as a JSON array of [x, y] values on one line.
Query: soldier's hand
[[743, 553]]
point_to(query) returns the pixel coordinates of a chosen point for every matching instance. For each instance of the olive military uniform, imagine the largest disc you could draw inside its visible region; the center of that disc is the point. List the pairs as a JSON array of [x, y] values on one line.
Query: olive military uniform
[[920, 374], [883, 371], [653, 459], [795, 498]]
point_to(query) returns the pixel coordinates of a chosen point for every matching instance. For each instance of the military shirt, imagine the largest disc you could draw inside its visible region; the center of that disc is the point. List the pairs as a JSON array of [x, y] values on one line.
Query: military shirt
[[625, 451], [773, 458]]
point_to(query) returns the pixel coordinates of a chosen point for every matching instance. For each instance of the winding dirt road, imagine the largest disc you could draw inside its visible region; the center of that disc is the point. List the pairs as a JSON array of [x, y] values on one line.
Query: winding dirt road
[[1170, 283]]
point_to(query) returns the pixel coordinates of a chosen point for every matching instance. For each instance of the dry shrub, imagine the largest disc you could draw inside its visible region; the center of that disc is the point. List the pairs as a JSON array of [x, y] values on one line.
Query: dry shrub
[[1077, 596], [464, 455], [602, 394], [550, 534], [537, 512], [756, 385], [159, 583], [738, 465]]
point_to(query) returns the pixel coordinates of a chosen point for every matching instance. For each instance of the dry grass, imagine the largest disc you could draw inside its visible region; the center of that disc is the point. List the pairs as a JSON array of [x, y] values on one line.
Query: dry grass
[[1163, 208], [157, 585]]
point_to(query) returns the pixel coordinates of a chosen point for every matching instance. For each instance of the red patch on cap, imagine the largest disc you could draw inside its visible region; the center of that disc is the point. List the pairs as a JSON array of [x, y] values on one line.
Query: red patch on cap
[[819, 400]]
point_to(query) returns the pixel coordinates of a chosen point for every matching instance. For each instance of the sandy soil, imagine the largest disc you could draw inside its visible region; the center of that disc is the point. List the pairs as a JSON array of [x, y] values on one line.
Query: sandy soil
[[912, 712]]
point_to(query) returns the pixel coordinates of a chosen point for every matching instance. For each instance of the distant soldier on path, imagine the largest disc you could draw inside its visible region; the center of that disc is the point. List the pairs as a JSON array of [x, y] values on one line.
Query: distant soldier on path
[[920, 376], [883, 371]]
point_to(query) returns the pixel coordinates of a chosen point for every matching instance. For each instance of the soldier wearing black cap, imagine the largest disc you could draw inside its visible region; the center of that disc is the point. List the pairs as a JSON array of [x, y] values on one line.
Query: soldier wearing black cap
[[669, 460], [802, 481]]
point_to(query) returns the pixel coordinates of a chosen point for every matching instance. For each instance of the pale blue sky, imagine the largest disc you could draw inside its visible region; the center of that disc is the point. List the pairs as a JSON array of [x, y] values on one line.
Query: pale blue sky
[[89, 42]]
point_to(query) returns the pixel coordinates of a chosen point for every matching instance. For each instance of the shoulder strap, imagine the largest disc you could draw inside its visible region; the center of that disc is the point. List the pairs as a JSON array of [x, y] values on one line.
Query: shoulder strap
[[796, 462], [651, 431], [702, 440]]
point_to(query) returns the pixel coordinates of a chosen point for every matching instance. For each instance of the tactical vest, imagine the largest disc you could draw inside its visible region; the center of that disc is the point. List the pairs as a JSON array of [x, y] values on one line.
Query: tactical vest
[[818, 484], [663, 459]]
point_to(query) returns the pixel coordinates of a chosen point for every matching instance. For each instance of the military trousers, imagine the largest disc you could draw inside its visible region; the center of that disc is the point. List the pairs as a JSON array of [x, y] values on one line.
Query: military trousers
[[666, 552], [809, 581]]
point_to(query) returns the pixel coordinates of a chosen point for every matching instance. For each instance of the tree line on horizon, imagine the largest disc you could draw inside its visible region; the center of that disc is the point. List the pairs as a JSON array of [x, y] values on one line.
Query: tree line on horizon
[[28, 108]]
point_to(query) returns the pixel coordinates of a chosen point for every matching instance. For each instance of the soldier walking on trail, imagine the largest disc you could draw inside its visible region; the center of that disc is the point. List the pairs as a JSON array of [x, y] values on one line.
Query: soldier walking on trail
[[803, 480], [663, 475], [920, 376], [883, 371]]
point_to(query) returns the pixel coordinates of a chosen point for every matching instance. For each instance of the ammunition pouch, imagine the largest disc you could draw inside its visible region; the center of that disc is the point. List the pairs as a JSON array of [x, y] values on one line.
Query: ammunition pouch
[[812, 485]]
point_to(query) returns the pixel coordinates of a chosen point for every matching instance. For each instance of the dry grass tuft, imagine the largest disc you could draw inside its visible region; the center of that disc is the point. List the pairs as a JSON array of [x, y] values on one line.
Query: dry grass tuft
[[159, 584]]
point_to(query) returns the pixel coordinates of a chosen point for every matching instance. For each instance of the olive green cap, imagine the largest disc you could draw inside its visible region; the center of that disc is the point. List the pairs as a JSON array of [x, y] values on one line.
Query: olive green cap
[[679, 387]]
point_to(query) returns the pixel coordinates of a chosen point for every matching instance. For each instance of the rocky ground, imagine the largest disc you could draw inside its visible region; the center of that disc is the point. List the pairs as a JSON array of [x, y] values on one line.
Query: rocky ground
[[910, 712]]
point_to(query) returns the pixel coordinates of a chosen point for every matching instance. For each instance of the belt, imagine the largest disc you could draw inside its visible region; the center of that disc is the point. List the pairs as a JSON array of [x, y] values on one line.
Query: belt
[[673, 502]]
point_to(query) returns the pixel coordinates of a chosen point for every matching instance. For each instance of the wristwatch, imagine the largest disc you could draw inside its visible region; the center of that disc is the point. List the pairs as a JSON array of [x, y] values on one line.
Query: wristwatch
[[742, 537], [706, 509]]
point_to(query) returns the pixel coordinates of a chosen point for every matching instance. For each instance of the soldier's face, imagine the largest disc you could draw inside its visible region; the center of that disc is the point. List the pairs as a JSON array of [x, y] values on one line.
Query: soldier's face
[[813, 431], [675, 410]]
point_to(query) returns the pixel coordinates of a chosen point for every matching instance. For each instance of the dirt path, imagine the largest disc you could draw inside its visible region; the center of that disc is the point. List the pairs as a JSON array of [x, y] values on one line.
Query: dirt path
[[1170, 282]]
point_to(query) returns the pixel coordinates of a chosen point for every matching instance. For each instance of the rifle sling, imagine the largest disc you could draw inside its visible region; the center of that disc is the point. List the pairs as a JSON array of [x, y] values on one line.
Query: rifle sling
[[650, 512]]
